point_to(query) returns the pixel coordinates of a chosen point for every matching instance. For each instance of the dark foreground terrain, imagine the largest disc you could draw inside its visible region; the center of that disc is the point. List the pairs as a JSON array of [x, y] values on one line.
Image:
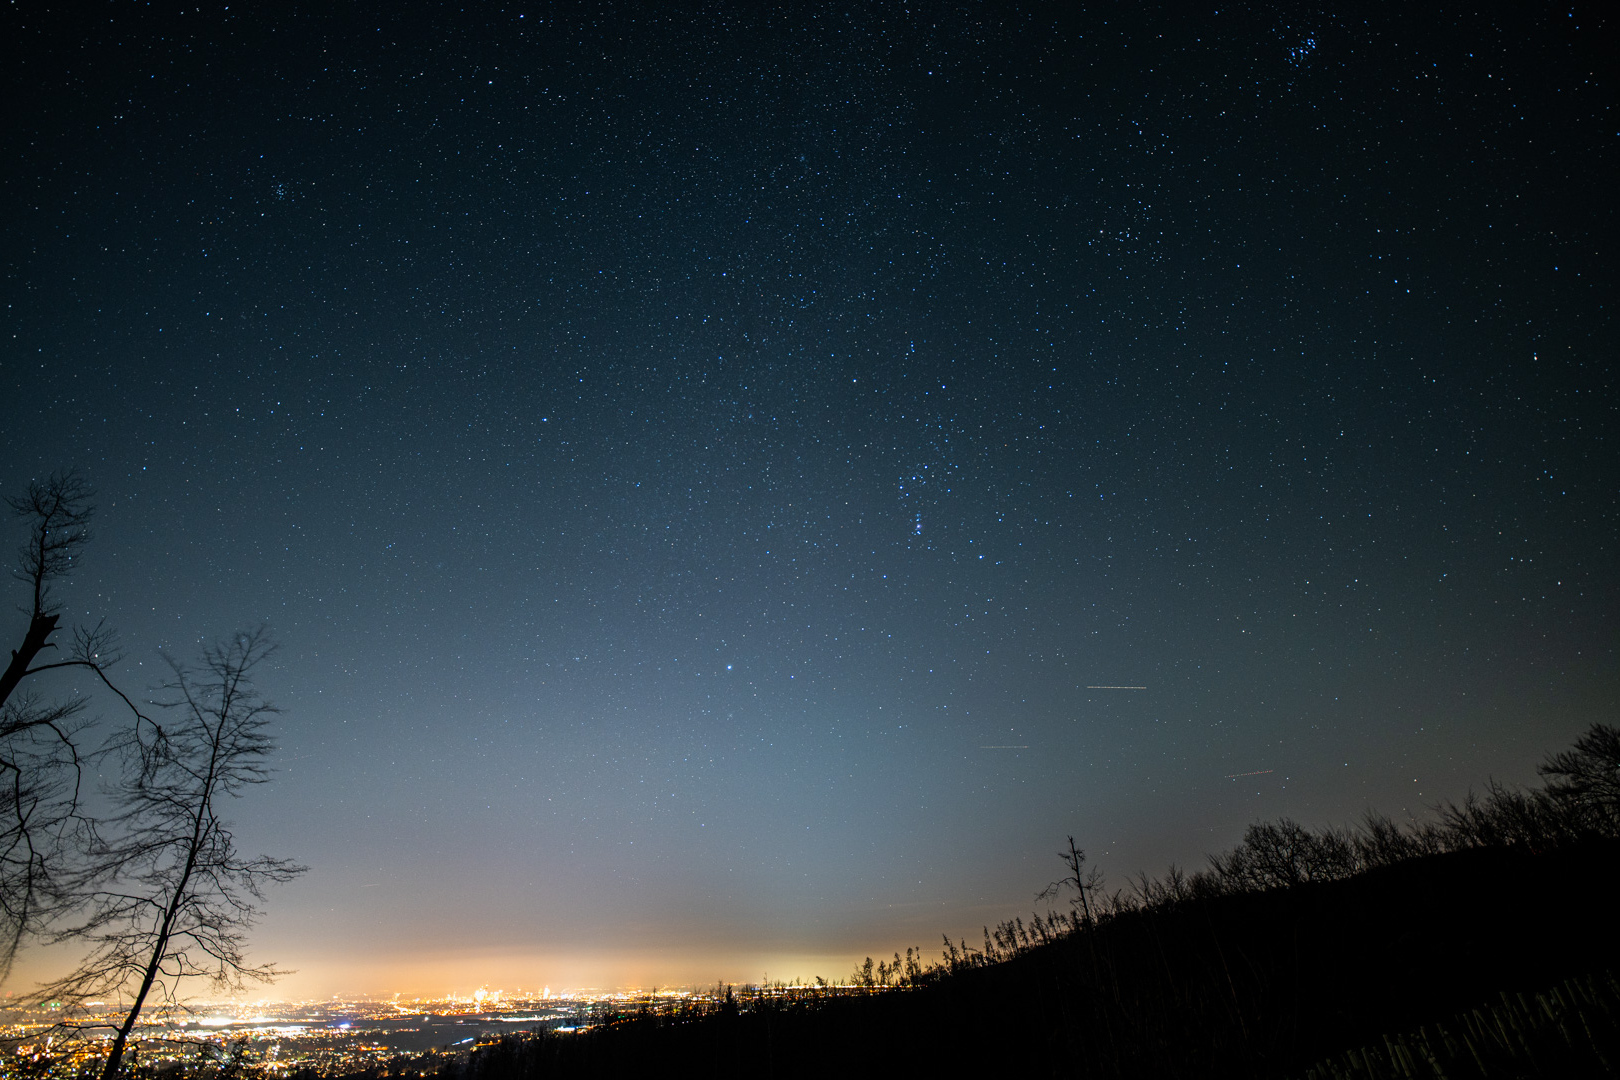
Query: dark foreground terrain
[[1272, 983]]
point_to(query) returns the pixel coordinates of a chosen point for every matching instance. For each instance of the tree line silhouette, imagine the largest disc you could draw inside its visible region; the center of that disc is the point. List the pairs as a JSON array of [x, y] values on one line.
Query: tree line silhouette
[[1478, 942], [1578, 802]]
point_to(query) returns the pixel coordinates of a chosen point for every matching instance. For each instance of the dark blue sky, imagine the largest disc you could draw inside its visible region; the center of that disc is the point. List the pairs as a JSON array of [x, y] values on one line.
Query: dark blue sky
[[696, 461]]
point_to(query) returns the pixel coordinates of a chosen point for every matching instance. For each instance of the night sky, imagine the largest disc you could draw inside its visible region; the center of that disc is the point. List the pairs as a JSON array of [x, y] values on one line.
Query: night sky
[[700, 464]]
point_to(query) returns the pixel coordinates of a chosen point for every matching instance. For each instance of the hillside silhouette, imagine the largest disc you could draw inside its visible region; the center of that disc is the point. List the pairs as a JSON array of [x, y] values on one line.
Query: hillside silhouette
[[1480, 943]]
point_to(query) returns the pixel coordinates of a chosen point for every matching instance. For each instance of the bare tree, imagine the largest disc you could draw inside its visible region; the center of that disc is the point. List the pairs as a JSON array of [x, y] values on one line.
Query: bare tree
[[1588, 777], [181, 898], [1283, 853], [43, 835], [1082, 882]]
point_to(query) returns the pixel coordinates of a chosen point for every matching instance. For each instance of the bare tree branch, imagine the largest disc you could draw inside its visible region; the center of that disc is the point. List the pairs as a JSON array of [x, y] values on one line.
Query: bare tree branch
[[180, 899], [44, 835]]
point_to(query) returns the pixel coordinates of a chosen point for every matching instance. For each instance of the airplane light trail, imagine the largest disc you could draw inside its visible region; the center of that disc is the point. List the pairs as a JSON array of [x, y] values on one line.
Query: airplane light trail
[[1116, 688], [1257, 772]]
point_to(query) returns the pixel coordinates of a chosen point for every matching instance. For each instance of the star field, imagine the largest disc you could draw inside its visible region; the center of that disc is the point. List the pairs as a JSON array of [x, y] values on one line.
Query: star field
[[699, 462]]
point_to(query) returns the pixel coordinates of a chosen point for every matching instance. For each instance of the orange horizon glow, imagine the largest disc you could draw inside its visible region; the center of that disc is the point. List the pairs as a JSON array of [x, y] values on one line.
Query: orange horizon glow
[[503, 976]]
